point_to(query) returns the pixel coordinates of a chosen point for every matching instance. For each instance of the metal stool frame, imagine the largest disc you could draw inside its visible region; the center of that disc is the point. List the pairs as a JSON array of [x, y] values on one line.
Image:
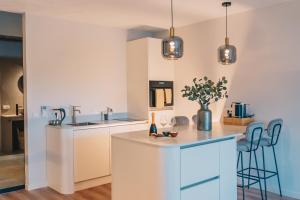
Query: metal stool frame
[[241, 174]]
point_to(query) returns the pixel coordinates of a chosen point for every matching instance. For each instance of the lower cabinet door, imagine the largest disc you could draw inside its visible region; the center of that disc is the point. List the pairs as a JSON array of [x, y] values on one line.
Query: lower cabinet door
[[91, 153], [125, 129], [205, 191]]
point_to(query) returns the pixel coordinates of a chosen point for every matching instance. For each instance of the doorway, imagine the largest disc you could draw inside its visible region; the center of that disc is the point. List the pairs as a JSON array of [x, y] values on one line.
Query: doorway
[[12, 160]]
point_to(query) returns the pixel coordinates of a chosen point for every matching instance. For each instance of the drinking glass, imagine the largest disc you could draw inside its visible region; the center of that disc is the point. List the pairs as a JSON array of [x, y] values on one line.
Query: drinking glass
[[172, 123], [163, 121]]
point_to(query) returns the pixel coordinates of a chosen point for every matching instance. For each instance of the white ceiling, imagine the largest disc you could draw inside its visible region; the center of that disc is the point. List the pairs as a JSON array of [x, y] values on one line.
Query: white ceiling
[[132, 13]]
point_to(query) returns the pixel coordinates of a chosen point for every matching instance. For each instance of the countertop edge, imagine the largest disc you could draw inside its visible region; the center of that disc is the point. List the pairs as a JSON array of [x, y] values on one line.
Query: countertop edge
[[210, 140], [121, 123]]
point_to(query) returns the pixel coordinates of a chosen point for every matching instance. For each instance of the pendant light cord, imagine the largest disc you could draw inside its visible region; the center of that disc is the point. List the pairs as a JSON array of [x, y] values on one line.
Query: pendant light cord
[[172, 12], [226, 23]]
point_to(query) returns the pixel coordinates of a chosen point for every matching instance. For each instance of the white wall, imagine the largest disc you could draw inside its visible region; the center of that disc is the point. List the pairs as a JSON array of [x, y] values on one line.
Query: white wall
[[266, 74], [69, 63]]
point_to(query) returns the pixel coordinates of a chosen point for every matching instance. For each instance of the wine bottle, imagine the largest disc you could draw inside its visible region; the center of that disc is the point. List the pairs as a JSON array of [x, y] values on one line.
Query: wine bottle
[[153, 129]]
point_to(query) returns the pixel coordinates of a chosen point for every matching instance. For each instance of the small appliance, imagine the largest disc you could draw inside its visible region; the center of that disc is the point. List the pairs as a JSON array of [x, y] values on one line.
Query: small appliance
[[60, 115], [240, 110]]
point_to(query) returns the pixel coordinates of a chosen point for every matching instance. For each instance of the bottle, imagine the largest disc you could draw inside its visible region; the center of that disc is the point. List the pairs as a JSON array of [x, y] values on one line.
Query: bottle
[[153, 129], [17, 109]]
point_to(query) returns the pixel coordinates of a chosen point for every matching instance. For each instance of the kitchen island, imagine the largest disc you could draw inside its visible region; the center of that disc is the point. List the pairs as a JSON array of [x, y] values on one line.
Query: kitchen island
[[194, 165]]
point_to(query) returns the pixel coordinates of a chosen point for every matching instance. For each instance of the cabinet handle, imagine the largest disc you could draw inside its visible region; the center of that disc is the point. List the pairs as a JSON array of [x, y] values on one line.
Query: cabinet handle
[[200, 183]]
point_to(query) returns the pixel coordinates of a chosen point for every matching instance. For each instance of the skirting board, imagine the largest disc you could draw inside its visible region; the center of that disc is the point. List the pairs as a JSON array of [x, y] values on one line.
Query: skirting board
[[285, 192], [92, 183], [274, 189], [36, 185]]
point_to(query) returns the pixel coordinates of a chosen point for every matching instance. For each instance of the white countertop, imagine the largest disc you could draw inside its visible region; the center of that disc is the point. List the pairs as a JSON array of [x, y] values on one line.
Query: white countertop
[[12, 116], [186, 135], [101, 124]]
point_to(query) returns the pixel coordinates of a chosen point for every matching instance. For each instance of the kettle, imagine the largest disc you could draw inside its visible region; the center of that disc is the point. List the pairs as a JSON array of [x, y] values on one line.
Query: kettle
[[60, 115]]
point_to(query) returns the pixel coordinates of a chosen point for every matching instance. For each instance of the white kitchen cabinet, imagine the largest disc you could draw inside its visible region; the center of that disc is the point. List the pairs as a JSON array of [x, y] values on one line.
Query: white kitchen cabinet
[[208, 191], [199, 163], [144, 63], [195, 165], [79, 157], [125, 129], [228, 178], [91, 154]]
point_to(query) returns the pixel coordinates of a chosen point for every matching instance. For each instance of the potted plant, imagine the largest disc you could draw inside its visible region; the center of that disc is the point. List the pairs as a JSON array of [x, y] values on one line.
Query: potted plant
[[205, 92]]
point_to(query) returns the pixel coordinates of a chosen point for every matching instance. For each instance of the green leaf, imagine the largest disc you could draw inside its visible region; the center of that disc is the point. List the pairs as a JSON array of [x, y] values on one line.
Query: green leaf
[[205, 91]]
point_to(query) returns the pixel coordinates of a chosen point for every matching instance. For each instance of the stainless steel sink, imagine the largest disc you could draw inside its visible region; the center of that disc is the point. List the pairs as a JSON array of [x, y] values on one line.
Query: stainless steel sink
[[84, 124]]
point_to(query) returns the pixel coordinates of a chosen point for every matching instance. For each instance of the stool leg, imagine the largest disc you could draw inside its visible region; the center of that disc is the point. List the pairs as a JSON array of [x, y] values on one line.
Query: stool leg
[[264, 168], [242, 165], [277, 171], [261, 193], [238, 161], [249, 173]]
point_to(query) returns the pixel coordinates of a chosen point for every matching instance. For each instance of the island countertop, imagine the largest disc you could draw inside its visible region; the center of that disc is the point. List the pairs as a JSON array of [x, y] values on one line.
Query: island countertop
[[188, 135]]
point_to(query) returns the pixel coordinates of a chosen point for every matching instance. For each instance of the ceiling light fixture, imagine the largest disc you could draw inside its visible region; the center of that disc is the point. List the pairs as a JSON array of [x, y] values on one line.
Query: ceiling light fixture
[[172, 47], [227, 52]]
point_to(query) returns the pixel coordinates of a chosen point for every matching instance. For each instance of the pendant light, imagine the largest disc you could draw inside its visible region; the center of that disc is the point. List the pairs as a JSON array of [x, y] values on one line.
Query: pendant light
[[227, 52], [172, 47]]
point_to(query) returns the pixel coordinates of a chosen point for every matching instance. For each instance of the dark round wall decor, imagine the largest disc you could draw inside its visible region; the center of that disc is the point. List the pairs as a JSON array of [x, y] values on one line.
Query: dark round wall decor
[[21, 84]]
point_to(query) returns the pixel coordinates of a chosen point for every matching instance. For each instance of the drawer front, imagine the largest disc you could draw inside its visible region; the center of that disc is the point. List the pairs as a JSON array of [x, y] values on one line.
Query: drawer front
[[199, 163], [205, 191], [128, 128]]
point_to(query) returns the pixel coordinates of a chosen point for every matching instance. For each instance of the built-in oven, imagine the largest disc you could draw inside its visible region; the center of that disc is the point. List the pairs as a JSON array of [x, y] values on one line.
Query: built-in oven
[[161, 94]]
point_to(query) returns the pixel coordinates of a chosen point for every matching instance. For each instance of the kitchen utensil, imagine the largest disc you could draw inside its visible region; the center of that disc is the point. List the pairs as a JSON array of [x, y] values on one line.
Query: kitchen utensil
[[60, 115], [173, 134], [166, 133]]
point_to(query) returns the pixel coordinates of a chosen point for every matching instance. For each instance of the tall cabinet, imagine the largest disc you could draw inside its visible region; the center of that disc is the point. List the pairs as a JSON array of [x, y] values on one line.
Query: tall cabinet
[[145, 63]]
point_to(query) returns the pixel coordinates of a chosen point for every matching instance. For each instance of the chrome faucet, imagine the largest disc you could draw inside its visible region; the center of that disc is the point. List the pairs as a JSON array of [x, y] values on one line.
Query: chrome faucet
[[74, 110], [108, 110]]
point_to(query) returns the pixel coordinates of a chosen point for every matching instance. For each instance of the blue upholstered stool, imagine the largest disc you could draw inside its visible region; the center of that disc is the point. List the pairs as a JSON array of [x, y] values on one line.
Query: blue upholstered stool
[[270, 139], [181, 121], [249, 144]]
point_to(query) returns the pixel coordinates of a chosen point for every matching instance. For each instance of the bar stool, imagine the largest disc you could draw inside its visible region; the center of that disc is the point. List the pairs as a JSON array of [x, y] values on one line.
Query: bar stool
[[249, 144], [194, 118], [181, 121], [270, 140]]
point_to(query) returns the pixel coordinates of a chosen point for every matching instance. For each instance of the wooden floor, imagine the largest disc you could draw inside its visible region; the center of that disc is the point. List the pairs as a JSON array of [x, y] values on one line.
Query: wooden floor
[[12, 171], [98, 193]]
